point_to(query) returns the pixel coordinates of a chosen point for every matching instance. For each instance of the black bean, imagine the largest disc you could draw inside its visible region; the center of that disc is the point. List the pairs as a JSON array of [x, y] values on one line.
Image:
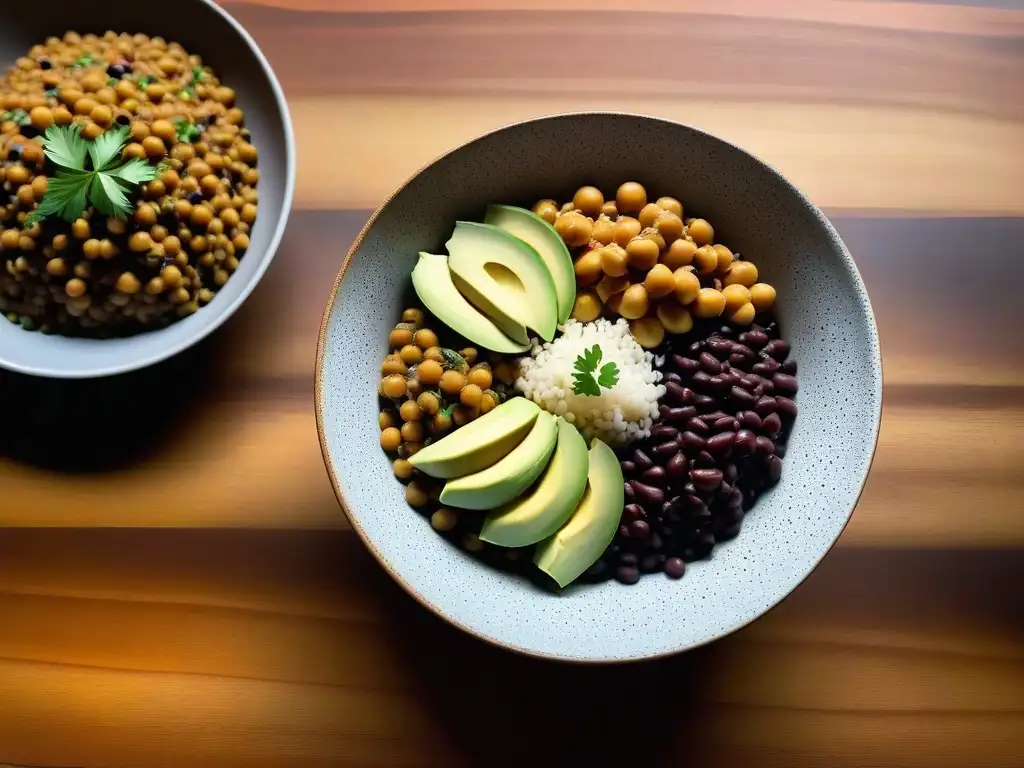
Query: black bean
[[721, 444], [745, 442], [724, 422], [727, 532], [624, 531], [693, 443], [726, 331], [693, 503], [710, 363], [704, 403], [785, 383], [767, 386], [663, 411], [774, 469], [664, 432], [655, 541], [675, 568], [718, 383], [652, 563], [750, 420], [706, 479], [780, 449], [627, 574], [642, 460], [676, 393], [756, 339], [655, 476], [672, 376], [772, 425], [745, 352], [640, 529], [676, 466], [742, 398], [786, 407], [704, 460], [776, 348], [711, 418], [628, 467], [766, 405], [684, 366], [702, 544], [736, 498], [739, 361], [666, 449], [730, 472], [682, 415], [599, 571], [701, 380], [628, 558], [789, 367], [750, 381], [632, 512], [766, 367], [720, 348], [696, 347], [627, 490], [764, 445], [698, 425], [648, 494]]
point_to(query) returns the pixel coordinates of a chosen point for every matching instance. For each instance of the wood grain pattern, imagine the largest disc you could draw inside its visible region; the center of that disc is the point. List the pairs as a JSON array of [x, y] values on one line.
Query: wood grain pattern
[[178, 586]]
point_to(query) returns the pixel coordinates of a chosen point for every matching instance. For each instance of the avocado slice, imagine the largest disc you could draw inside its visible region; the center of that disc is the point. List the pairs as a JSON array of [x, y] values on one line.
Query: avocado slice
[[582, 540], [433, 283], [505, 278], [480, 443], [506, 480], [541, 236], [547, 506]]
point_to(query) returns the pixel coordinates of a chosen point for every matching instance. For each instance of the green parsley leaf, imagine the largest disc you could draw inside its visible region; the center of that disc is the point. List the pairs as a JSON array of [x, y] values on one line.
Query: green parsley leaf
[[186, 131], [586, 364], [609, 375], [66, 197], [83, 61], [106, 150], [65, 146], [144, 81], [135, 171]]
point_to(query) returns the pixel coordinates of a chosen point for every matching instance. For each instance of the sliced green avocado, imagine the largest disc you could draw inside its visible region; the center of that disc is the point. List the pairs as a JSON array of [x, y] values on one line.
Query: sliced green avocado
[[480, 443], [582, 540], [433, 283], [541, 236], [506, 480], [505, 278], [547, 506]]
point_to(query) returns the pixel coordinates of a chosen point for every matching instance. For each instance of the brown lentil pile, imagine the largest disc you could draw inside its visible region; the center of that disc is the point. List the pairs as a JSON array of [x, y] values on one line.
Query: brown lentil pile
[[645, 262], [101, 276]]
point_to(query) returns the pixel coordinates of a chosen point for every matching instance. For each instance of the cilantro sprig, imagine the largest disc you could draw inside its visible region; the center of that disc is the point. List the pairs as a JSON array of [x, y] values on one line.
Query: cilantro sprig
[[196, 78], [186, 131], [584, 381], [89, 173]]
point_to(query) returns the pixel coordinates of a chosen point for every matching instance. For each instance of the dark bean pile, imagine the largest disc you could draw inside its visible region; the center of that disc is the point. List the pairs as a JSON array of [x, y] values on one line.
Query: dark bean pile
[[718, 444]]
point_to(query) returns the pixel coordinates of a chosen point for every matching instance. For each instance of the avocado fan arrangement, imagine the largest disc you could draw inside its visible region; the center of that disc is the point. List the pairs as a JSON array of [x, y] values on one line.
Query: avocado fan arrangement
[[546, 423]]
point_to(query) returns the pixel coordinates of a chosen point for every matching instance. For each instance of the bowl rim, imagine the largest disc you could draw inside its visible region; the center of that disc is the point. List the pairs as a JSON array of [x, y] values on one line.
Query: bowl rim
[[205, 329], [339, 491]]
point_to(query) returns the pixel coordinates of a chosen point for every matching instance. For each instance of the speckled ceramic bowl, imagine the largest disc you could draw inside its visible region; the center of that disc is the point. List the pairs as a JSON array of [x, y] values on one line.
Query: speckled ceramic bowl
[[203, 28], [823, 309]]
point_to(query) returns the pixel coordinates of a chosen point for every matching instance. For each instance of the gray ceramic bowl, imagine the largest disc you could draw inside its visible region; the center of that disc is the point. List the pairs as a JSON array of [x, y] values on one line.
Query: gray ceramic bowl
[[203, 28], [823, 309]]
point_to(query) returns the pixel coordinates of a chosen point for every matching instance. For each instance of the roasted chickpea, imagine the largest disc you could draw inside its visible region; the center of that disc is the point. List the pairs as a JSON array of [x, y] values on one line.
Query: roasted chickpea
[[587, 307], [588, 200], [574, 228], [481, 376], [762, 296], [634, 302], [604, 230], [385, 420], [588, 268], [724, 258], [736, 296], [410, 411], [659, 281], [611, 285], [390, 439], [471, 395], [412, 431], [701, 232], [626, 228], [630, 198], [444, 519], [393, 364], [610, 209], [425, 338], [687, 285], [709, 303], [642, 253], [742, 273], [705, 259], [452, 382], [674, 317], [614, 260], [429, 372], [670, 204], [679, 254], [744, 315], [669, 226], [649, 214], [648, 332], [411, 354], [547, 210]]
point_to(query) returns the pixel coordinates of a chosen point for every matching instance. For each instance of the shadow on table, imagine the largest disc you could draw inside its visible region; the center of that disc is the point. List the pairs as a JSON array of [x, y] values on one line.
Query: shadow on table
[[98, 425]]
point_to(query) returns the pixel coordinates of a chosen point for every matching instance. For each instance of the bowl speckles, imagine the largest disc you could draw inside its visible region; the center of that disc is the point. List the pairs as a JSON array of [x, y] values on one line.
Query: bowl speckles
[[822, 306], [207, 30]]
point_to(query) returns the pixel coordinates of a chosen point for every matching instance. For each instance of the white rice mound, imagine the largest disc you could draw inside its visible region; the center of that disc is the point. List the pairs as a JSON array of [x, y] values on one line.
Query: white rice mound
[[618, 415]]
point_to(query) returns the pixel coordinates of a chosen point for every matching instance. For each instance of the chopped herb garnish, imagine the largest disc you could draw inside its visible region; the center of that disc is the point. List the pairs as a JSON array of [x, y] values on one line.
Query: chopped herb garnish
[[19, 116], [190, 89], [105, 186], [83, 61], [52, 93], [144, 81], [112, 81], [186, 131], [454, 360], [584, 382]]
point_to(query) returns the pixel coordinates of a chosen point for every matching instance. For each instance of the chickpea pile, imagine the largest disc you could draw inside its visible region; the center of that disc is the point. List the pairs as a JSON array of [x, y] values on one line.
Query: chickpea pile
[[426, 391], [101, 276], [647, 263]]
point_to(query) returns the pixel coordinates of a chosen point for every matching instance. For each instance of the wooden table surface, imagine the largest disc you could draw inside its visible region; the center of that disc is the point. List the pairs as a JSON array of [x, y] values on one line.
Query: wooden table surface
[[178, 586]]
